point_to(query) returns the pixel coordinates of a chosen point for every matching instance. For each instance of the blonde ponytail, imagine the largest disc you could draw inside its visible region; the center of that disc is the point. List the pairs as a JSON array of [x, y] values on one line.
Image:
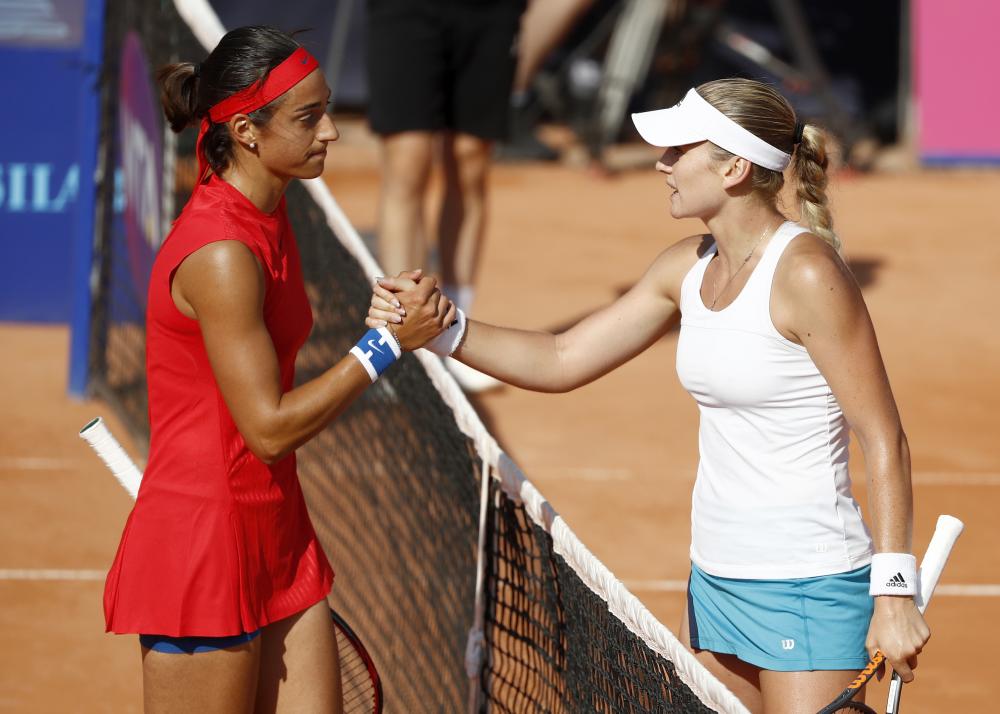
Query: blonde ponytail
[[809, 164]]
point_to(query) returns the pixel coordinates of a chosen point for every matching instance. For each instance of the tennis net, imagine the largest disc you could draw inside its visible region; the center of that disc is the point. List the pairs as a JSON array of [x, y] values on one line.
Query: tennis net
[[466, 586]]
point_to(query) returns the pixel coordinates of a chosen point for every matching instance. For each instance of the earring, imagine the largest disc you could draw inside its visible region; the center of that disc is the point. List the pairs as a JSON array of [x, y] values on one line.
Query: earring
[[253, 145]]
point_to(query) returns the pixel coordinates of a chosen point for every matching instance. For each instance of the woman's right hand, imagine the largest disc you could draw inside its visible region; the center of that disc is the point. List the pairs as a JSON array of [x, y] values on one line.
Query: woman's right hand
[[427, 310]]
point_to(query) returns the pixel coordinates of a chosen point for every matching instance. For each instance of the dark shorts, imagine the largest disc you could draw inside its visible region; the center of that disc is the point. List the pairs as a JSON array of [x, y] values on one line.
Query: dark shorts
[[194, 645], [442, 65]]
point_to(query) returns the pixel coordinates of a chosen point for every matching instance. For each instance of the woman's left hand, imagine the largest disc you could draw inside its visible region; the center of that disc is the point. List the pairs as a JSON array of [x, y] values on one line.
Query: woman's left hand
[[898, 631], [385, 306]]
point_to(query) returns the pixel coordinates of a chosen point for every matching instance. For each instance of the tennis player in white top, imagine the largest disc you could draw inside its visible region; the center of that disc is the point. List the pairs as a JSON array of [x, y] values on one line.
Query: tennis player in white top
[[786, 600]]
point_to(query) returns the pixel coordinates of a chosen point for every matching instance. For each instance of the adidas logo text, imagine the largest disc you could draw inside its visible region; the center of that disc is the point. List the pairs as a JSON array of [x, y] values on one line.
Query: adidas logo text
[[896, 581]]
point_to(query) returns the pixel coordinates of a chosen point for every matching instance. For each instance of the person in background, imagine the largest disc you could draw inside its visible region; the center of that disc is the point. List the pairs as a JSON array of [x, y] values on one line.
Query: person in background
[[545, 25], [439, 81]]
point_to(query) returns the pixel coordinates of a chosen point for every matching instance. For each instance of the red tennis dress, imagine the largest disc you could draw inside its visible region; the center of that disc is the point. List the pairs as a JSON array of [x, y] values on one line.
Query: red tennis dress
[[218, 543]]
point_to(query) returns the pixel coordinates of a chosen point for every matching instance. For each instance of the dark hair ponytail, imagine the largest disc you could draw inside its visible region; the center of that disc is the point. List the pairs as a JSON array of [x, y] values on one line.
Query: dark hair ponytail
[[243, 57], [179, 94]]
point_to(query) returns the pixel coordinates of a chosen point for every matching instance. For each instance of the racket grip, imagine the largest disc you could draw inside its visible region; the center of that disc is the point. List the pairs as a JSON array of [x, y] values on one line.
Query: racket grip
[[895, 692], [946, 532], [112, 454]]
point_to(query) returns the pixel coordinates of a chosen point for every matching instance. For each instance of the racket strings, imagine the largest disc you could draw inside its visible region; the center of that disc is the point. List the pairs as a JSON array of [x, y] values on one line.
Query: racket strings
[[356, 677]]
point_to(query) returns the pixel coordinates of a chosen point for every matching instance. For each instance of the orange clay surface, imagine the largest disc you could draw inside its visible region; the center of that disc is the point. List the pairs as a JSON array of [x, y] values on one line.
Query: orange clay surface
[[616, 458]]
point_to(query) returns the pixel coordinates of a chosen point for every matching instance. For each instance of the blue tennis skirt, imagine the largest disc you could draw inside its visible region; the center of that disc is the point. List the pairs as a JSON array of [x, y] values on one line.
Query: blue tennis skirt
[[792, 625]]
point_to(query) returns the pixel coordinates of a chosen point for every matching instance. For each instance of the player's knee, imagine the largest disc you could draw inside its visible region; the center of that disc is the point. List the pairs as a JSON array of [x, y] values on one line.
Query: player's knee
[[405, 184], [471, 155], [406, 166]]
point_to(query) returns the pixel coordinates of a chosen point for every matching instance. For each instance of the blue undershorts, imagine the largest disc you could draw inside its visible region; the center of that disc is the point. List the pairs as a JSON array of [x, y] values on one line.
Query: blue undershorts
[[793, 625], [194, 645]]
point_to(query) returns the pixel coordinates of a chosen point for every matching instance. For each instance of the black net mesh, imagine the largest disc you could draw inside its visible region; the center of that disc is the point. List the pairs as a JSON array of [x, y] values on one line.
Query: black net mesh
[[552, 644], [117, 353], [392, 484]]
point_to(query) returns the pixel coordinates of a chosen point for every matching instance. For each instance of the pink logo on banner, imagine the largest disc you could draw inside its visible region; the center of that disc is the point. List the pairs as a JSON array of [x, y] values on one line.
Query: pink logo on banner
[[140, 134]]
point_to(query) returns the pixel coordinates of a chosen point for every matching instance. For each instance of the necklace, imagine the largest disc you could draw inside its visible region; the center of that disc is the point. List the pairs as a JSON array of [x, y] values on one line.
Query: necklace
[[716, 293]]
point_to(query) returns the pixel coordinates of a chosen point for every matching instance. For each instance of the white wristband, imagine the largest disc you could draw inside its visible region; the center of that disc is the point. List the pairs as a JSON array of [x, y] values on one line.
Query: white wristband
[[449, 340], [893, 574]]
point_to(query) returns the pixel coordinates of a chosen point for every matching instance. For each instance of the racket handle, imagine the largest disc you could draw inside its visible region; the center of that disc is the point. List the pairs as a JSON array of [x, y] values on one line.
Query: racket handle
[[112, 454], [895, 692]]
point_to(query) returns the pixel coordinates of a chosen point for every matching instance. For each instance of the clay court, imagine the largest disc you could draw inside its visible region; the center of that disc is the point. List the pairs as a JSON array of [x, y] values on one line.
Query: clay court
[[616, 458]]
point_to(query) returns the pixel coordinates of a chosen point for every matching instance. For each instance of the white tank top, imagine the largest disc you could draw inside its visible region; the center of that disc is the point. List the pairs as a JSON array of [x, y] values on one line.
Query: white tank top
[[773, 495]]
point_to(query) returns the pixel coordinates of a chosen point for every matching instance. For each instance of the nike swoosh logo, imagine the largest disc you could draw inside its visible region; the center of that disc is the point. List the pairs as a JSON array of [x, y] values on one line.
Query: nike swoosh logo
[[371, 343]]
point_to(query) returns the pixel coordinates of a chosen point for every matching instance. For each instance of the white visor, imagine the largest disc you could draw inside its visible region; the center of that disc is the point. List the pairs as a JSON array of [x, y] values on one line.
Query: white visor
[[694, 120]]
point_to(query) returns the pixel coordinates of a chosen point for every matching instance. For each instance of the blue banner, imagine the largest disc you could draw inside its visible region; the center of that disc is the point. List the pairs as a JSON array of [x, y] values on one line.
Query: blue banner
[[47, 83]]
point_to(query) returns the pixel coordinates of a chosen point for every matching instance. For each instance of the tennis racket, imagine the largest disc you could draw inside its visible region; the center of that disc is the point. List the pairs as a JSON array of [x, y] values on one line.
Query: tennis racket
[[945, 534], [359, 679], [360, 682]]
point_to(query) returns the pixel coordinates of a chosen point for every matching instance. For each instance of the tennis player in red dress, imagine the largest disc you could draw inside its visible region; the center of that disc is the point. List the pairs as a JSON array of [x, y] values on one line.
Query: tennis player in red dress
[[218, 558]]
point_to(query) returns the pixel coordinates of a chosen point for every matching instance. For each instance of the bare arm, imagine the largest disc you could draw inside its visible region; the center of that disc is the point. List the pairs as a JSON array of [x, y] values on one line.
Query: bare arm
[[546, 362], [818, 304], [222, 286]]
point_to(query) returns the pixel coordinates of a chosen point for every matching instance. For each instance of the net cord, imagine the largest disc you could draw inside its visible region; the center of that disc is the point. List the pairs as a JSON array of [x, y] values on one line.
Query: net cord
[[623, 604], [207, 27]]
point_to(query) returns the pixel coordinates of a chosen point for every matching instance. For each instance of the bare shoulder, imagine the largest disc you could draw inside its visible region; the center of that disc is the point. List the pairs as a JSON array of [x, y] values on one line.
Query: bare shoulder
[[220, 274], [221, 255], [810, 263], [673, 263], [689, 249], [812, 283]]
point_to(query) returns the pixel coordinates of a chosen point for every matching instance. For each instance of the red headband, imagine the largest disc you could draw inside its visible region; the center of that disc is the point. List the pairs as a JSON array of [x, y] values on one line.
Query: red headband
[[278, 81]]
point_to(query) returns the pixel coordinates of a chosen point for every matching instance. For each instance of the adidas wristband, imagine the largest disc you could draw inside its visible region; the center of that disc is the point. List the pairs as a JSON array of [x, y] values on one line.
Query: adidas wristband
[[893, 574], [449, 340], [376, 350]]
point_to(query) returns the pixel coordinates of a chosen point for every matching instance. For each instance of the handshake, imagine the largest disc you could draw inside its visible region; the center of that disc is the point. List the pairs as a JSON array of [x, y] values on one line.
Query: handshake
[[414, 309]]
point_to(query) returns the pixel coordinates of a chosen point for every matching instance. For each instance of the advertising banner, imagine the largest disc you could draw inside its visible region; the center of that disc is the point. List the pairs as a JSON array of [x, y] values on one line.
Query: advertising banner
[[45, 82], [955, 61]]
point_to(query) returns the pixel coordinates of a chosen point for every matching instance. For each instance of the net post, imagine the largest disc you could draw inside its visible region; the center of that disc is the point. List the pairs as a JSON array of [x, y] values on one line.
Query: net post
[[83, 244], [474, 646]]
